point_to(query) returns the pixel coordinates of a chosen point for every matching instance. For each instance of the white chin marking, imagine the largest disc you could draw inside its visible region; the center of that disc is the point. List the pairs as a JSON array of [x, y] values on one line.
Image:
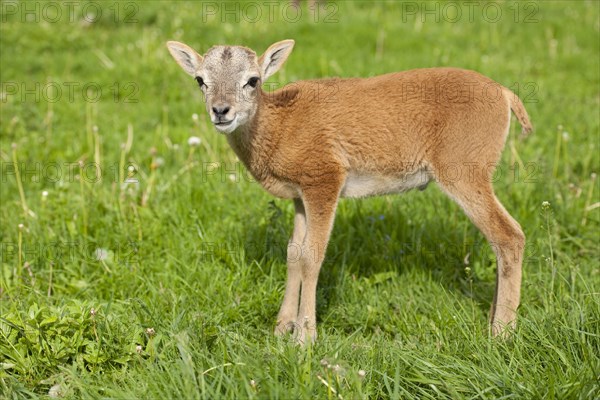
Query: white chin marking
[[227, 128]]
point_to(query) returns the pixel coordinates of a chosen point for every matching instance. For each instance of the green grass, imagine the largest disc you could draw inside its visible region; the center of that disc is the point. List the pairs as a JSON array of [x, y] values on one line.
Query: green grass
[[198, 257]]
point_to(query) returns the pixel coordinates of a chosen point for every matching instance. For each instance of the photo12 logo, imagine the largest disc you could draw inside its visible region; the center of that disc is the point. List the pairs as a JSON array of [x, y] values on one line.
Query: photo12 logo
[[71, 92], [68, 172], [469, 11], [88, 12], [266, 11], [124, 253]]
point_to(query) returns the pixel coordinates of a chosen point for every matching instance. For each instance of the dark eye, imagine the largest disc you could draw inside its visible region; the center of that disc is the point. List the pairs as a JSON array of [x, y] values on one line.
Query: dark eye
[[252, 82], [200, 82]]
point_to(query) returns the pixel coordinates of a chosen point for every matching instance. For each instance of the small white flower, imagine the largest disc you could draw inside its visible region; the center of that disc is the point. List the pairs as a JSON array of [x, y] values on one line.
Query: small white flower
[[45, 193], [195, 117], [362, 373], [93, 311], [100, 254], [150, 331], [138, 348], [232, 177], [565, 136], [55, 391], [253, 383], [21, 227], [194, 141], [545, 205]]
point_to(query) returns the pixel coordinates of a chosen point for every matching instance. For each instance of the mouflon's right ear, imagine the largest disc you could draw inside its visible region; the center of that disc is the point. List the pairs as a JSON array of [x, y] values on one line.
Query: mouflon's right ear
[[185, 56]]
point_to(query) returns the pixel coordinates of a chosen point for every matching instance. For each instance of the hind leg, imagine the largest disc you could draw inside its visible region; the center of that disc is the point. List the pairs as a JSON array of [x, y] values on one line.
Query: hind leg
[[507, 240]]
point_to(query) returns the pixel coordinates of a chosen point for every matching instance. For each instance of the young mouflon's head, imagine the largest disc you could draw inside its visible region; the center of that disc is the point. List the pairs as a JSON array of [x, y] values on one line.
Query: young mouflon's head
[[230, 78]]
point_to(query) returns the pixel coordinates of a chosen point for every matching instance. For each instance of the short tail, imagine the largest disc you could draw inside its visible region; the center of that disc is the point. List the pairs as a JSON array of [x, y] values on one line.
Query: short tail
[[517, 107]]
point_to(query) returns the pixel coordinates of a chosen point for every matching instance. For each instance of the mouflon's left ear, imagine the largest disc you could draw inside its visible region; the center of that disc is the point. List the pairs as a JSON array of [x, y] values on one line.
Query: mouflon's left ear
[[275, 57]]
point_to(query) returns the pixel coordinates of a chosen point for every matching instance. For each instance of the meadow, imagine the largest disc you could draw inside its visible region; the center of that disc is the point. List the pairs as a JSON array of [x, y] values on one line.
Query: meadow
[[140, 260]]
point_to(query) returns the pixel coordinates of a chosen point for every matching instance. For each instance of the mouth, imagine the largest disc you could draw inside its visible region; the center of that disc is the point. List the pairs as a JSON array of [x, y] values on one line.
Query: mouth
[[225, 126], [223, 123]]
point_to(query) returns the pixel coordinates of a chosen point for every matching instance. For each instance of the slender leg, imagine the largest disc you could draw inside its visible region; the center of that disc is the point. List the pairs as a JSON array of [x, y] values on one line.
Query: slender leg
[[321, 204], [286, 319], [507, 241]]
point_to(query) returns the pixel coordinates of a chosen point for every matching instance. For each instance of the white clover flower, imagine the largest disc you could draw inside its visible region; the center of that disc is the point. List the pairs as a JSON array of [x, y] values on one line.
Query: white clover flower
[[55, 391], [138, 348], [194, 141], [337, 368], [100, 254]]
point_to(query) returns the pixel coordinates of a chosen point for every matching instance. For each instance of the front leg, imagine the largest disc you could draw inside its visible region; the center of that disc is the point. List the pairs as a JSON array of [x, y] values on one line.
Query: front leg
[[286, 318], [320, 204]]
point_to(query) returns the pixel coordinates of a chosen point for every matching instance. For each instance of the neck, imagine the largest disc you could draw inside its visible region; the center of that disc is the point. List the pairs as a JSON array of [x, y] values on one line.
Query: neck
[[256, 141], [247, 140]]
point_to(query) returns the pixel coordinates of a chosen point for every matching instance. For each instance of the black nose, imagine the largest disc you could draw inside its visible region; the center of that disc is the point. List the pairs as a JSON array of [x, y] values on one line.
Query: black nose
[[220, 111]]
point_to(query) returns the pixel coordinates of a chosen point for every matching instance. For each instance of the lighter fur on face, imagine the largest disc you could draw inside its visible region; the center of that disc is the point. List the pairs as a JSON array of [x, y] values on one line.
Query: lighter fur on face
[[226, 71], [230, 78]]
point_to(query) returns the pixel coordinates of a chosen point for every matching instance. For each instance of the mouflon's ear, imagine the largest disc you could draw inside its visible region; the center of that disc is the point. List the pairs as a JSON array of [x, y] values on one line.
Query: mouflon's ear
[[274, 57], [185, 56]]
